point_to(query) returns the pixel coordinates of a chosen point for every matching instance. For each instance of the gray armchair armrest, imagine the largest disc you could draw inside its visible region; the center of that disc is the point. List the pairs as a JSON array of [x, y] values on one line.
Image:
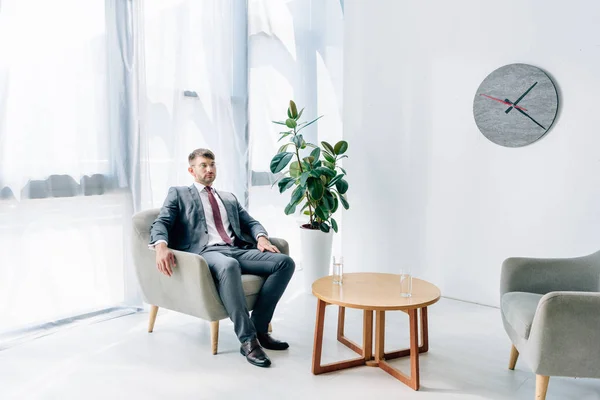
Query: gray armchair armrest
[[281, 244], [565, 335], [538, 275], [190, 290]]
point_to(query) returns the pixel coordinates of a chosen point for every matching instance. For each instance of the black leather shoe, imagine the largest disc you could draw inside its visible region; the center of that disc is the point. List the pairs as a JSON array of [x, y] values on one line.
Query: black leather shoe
[[268, 342], [254, 353]]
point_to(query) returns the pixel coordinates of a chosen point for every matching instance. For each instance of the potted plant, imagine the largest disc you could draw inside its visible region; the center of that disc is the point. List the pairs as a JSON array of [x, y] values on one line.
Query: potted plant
[[318, 187]]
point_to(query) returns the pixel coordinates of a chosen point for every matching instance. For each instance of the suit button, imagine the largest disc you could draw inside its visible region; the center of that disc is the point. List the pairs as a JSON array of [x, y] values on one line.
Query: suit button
[[205, 231]]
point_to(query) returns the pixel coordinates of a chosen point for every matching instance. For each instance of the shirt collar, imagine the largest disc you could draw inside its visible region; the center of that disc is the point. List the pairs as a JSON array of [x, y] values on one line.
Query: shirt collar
[[200, 187]]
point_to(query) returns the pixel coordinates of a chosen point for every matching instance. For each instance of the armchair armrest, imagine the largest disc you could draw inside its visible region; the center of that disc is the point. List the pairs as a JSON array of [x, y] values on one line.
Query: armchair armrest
[[565, 334], [538, 275], [190, 290], [281, 244]]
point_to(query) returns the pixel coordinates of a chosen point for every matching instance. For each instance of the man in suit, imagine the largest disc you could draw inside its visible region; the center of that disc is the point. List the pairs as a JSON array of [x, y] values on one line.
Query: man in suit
[[212, 223]]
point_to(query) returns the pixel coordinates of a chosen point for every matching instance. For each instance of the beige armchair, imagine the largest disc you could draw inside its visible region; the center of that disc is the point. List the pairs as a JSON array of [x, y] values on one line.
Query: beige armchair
[[191, 289], [551, 312]]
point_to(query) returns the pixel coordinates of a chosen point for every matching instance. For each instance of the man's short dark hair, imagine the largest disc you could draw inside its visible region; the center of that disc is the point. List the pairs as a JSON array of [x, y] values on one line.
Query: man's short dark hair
[[206, 153]]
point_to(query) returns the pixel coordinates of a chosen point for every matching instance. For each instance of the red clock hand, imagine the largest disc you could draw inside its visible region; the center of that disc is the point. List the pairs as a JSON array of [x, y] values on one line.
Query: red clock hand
[[503, 102]]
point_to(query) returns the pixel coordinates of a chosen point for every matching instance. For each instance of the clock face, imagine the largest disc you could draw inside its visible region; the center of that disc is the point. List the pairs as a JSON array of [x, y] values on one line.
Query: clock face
[[515, 105]]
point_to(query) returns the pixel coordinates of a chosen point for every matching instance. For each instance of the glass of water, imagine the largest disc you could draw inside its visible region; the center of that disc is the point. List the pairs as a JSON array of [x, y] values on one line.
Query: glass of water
[[405, 282], [338, 270]]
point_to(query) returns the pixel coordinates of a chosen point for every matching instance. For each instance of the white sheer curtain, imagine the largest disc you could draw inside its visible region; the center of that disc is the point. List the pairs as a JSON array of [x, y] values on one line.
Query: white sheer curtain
[[64, 236], [295, 51], [53, 78], [196, 47]]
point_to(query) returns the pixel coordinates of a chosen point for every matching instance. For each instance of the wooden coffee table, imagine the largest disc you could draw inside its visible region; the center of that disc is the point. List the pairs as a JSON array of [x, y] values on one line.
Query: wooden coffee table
[[376, 292]]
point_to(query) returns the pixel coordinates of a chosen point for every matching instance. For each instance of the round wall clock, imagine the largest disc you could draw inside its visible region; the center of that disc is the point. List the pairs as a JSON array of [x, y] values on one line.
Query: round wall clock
[[515, 105]]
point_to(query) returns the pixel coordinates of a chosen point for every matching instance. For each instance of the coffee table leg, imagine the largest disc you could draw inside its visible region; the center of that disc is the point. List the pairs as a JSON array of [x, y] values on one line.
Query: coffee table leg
[[318, 345], [317, 368], [341, 319], [412, 380], [367, 350], [379, 335], [424, 332], [347, 342]]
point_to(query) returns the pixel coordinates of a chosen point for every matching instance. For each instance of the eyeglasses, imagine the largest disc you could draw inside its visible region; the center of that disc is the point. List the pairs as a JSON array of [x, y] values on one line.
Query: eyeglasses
[[205, 166]]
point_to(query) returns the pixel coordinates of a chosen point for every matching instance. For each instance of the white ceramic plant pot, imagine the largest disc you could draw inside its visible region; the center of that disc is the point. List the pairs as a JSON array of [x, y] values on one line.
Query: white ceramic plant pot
[[316, 254]]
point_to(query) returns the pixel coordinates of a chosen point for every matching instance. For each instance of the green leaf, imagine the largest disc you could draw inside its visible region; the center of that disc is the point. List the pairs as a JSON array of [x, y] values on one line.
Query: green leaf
[[315, 188], [340, 147], [335, 179], [321, 213], [299, 114], [327, 202], [294, 169], [343, 170], [279, 123], [283, 148], [334, 225], [329, 157], [324, 227], [290, 123], [342, 186], [310, 123], [289, 209], [336, 204], [297, 195], [316, 153], [285, 184], [308, 160], [284, 136], [280, 161], [329, 165], [293, 110], [304, 177], [326, 171], [328, 147], [344, 201], [289, 113], [306, 212], [298, 140]]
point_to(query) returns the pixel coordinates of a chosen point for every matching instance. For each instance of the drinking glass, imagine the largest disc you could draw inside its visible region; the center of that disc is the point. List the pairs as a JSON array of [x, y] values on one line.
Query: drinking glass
[[338, 270], [405, 282]]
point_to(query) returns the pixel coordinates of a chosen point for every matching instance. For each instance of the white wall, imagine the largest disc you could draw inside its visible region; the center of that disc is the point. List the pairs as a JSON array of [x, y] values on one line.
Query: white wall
[[427, 189]]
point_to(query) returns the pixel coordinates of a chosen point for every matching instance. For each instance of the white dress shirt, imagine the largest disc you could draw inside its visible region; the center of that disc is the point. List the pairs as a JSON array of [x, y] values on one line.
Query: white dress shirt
[[213, 235]]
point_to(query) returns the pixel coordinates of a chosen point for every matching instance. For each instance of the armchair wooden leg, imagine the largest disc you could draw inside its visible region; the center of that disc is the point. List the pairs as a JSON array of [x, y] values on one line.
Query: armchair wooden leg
[[514, 354], [541, 386], [214, 336], [153, 312], [270, 328]]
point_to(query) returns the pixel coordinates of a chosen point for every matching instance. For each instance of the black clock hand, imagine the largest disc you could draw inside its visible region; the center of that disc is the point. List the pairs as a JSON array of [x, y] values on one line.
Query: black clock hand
[[520, 98], [527, 115]]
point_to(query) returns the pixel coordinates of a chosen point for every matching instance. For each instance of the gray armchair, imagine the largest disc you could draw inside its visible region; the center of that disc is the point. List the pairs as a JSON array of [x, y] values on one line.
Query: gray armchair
[[191, 289], [551, 312]]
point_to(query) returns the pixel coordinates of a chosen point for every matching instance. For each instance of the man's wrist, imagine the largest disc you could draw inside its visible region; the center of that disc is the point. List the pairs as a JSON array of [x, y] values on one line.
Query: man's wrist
[[160, 246], [261, 235]]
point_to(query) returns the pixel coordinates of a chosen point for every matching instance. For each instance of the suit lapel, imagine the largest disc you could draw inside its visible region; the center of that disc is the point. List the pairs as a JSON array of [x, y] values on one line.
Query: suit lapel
[[231, 212], [197, 201]]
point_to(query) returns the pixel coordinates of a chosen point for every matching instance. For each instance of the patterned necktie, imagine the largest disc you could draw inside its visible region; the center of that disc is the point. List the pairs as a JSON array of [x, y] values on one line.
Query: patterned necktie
[[217, 215]]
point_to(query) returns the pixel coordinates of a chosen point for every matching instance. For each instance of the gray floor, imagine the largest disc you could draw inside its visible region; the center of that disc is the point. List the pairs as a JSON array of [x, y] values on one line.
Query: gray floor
[[117, 359]]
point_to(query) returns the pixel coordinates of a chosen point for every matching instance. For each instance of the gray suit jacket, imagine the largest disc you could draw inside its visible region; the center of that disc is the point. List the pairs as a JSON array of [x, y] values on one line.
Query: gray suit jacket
[[181, 221]]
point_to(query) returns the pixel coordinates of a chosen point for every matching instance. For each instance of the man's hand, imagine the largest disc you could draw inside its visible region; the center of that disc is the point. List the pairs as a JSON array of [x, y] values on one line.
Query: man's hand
[[265, 245], [165, 259]]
